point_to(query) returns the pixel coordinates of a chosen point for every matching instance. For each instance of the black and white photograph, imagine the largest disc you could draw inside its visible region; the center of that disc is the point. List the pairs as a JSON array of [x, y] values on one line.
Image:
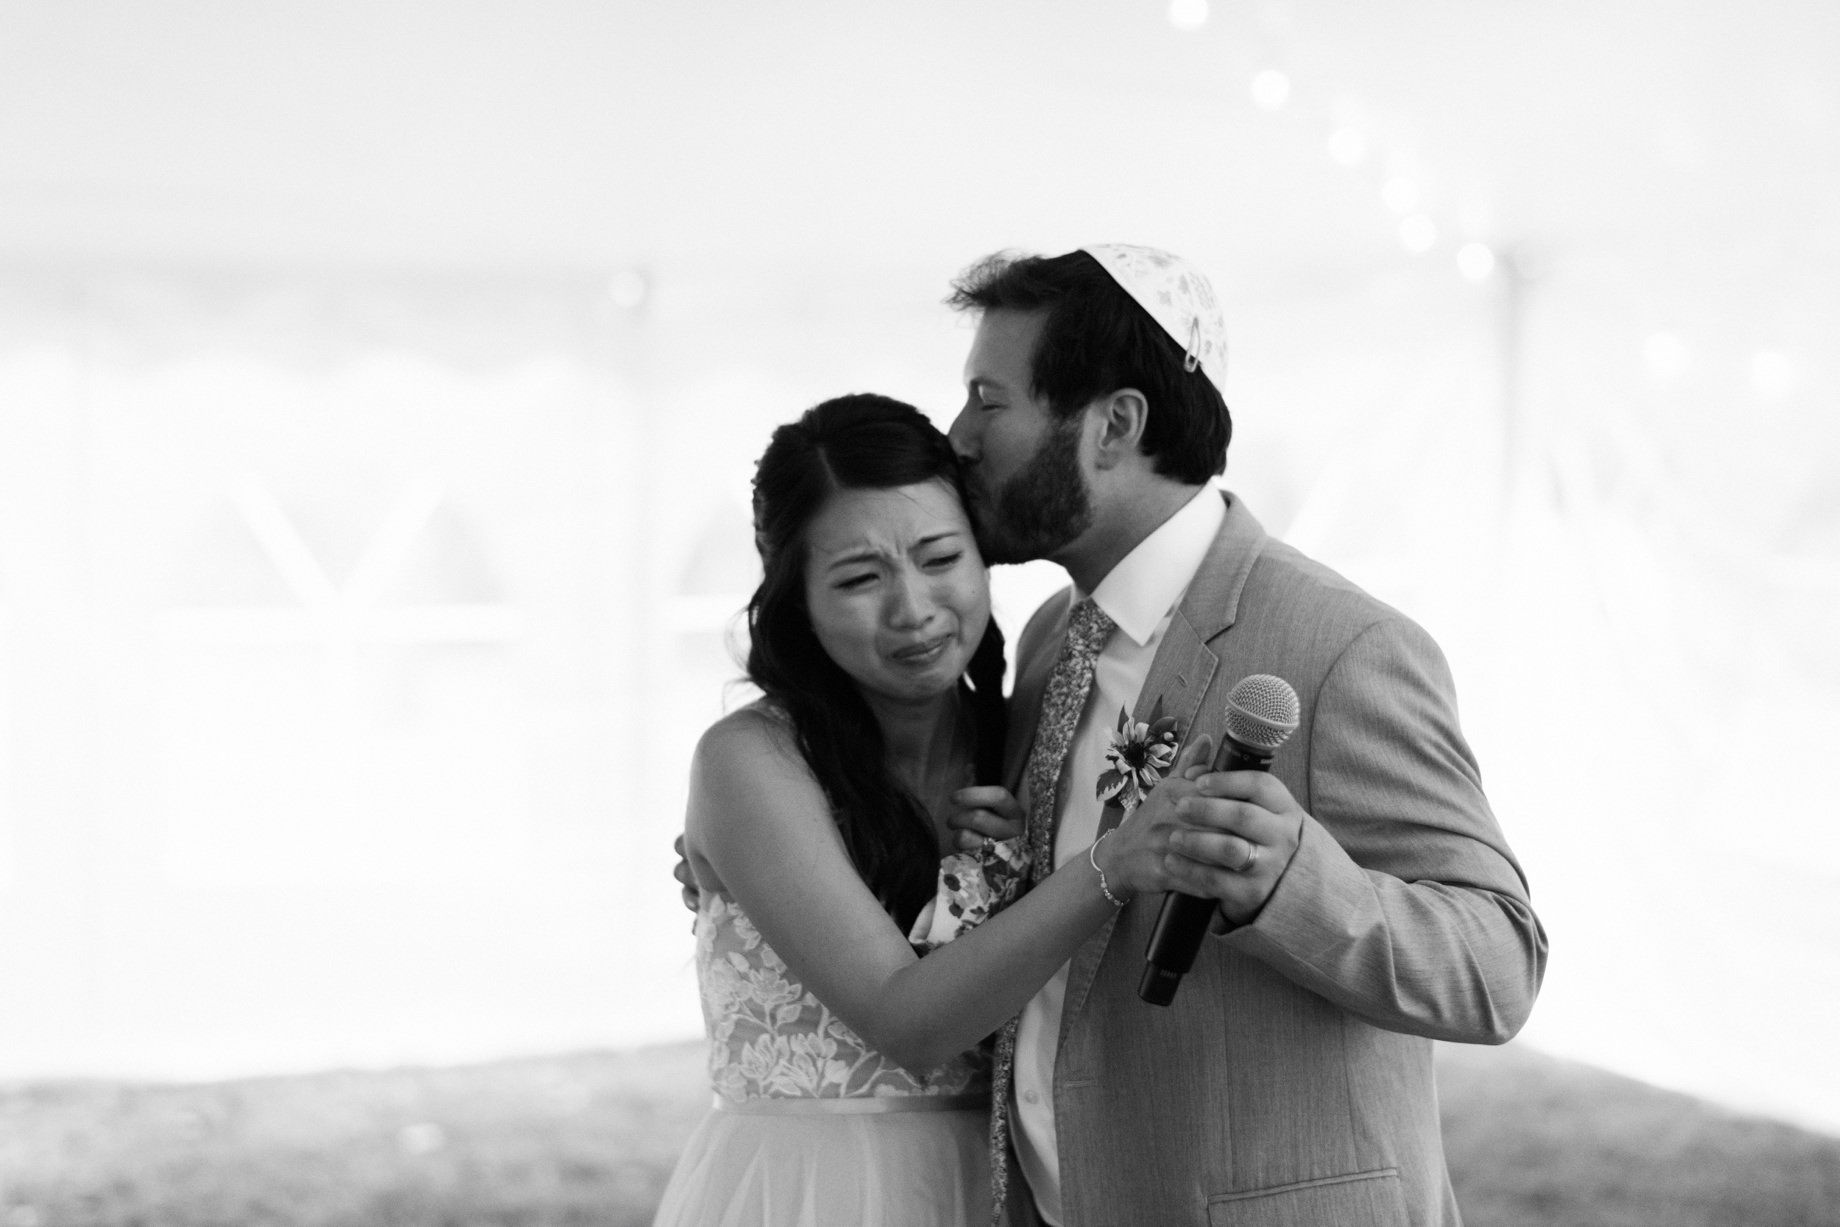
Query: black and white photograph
[[966, 613]]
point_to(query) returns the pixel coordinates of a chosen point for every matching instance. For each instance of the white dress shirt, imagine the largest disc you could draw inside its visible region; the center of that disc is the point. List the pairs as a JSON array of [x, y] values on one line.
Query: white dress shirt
[[1140, 594]]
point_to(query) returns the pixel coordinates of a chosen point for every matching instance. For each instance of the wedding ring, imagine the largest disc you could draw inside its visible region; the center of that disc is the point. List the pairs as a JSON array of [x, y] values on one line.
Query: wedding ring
[[989, 843], [1252, 858]]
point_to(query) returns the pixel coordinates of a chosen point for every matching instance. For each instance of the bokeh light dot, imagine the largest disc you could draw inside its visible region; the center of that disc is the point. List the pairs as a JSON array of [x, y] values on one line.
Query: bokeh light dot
[[1271, 89], [1475, 261], [1188, 14], [627, 288], [1347, 147], [1418, 233], [1400, 194]]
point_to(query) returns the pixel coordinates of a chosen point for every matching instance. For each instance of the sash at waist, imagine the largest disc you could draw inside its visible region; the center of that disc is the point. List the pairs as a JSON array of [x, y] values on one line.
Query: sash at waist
[[855, 1107]]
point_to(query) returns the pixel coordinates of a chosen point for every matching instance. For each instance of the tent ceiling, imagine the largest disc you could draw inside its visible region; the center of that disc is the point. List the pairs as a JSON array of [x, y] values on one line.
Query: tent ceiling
[[802, 139]]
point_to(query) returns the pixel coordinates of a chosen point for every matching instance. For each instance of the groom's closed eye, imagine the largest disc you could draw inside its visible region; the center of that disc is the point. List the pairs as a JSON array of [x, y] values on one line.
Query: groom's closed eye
[[978, 396]]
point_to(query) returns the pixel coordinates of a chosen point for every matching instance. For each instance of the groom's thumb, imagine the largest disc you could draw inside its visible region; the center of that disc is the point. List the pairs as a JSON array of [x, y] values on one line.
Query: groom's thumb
[[1193, 761]]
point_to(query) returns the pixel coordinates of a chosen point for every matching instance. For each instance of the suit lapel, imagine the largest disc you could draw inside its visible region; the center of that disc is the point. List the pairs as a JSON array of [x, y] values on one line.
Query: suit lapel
[[1211, 603], [1179, 675]]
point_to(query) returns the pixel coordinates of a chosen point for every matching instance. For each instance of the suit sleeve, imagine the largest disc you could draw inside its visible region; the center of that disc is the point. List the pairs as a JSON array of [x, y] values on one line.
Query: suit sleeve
[[1403, 904]]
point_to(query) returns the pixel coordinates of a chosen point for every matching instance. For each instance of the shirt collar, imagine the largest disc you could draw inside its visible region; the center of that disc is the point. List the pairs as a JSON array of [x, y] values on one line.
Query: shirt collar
[[1147, 583]]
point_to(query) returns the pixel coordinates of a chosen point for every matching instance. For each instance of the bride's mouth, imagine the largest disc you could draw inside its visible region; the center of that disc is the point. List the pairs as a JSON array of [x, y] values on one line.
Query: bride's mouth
[[924, 653]]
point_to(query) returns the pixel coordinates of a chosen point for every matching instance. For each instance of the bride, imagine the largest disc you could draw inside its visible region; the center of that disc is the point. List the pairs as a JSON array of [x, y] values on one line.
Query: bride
[[850, 1087]]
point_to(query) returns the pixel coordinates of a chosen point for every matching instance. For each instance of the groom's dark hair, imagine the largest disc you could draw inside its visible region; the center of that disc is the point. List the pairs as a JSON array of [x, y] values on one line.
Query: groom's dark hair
[[856, 442], [1097, 339]]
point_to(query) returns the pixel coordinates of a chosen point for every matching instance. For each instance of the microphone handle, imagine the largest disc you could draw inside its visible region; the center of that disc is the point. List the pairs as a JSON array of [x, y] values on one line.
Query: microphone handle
[[1183, 923]]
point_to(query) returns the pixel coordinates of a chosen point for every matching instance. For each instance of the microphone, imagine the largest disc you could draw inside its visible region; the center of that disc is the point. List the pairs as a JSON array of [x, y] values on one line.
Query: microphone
[[1262, 712]]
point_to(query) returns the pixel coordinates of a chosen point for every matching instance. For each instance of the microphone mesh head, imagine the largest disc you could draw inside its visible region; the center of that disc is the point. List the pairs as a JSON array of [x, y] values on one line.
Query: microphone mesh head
[[1262, 711]]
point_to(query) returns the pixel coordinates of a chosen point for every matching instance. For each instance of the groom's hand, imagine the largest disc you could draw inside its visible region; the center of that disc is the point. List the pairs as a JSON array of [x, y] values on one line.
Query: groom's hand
[[984, 812], [1240, 831]]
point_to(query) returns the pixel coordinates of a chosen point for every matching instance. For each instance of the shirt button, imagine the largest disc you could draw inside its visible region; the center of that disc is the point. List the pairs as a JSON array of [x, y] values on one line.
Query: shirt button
[[1030, 1097]]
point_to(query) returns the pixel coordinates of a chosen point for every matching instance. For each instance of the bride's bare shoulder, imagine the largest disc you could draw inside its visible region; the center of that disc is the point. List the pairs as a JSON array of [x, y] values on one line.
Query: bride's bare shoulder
[[748, 781], [749, 787], [748, 735]]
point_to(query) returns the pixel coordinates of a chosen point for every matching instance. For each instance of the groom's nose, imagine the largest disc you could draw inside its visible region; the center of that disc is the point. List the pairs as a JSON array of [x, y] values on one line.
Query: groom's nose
[[960, 434]]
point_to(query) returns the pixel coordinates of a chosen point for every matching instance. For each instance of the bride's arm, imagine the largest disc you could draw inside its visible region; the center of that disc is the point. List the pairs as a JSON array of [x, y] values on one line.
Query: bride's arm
[[760, 820]]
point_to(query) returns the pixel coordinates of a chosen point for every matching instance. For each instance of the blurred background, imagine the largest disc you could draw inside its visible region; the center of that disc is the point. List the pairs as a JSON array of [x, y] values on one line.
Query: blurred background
[[379, 386]]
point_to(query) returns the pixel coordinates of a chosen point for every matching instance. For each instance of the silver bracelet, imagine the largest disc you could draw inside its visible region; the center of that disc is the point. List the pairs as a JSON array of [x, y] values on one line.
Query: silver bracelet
[[1092, 858]]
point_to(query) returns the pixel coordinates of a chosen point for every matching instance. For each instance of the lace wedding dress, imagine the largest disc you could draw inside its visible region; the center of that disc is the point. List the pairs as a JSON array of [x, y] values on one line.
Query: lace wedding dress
[[810, 1127]]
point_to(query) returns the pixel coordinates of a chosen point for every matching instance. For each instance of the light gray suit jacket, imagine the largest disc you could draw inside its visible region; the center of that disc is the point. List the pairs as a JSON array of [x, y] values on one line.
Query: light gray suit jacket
[[1291, 1081]]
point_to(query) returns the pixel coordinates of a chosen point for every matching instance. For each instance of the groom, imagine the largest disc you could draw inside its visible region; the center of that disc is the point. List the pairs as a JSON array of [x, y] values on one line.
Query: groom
[[1367, 901]]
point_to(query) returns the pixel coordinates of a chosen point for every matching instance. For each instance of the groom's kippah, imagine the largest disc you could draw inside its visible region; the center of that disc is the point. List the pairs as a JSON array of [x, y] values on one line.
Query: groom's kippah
[[1177, 297]]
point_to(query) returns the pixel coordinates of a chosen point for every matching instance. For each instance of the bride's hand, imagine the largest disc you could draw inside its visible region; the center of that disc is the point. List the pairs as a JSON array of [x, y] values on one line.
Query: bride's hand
[[984, 812], [686, 877], [1133, 855]]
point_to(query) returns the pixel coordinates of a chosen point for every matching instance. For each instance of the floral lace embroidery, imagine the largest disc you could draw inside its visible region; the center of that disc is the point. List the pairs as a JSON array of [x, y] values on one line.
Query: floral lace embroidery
[[769, 1038]]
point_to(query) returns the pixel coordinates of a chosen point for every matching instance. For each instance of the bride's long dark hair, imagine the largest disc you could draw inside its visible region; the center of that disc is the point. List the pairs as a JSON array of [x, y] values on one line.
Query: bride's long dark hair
[[856, 442]]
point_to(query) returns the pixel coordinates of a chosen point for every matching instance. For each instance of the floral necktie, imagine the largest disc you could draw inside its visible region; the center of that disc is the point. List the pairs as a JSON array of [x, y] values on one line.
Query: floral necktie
[[1087, 630]]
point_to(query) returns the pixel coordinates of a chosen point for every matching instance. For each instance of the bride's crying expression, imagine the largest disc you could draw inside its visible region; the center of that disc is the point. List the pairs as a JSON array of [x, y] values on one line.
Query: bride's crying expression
[[897, 591]]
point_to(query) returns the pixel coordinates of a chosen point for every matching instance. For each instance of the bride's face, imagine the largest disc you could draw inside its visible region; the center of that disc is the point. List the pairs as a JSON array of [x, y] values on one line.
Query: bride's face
[[898, 593]]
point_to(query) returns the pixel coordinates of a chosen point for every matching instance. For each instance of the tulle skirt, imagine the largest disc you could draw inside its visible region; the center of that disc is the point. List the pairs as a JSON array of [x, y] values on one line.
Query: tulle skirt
[[765, 1165]]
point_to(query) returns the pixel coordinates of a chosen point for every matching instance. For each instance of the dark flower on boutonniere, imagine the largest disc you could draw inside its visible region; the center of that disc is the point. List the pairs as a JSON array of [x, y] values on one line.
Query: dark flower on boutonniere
[[1137, 758]]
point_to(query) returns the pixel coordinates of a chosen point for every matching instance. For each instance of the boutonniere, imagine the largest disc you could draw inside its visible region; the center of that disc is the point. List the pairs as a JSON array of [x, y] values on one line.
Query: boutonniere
[[1137, 758]]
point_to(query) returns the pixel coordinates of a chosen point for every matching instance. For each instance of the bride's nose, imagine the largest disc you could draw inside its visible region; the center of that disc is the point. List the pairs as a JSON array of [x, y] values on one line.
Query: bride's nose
[[910, 601]]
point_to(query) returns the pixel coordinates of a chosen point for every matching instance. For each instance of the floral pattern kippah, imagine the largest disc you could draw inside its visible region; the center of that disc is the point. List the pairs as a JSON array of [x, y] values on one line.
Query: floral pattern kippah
[[1176, 296]]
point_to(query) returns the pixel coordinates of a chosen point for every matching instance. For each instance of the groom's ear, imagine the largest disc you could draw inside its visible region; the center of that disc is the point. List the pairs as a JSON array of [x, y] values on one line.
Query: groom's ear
[[1123, 417]]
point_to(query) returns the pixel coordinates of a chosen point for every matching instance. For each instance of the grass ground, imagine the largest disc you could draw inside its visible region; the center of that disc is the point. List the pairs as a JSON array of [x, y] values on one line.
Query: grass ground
[[590, 1139]]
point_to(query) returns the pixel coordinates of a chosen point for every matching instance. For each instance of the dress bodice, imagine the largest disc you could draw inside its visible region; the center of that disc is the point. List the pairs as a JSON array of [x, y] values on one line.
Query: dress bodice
[[771, 1039]]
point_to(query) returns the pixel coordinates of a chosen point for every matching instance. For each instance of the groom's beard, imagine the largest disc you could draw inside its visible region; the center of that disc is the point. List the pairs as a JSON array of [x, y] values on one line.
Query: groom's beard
[[1042, 508]]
